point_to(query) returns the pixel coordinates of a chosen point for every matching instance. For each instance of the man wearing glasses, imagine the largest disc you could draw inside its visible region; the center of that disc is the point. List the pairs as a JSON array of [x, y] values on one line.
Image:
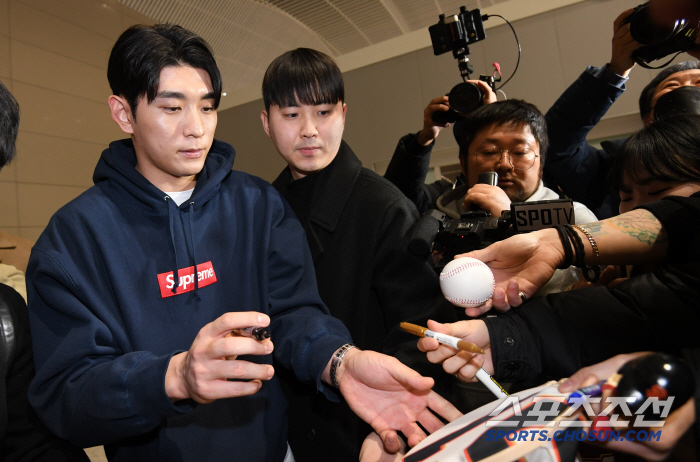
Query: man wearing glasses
[[507, 137]]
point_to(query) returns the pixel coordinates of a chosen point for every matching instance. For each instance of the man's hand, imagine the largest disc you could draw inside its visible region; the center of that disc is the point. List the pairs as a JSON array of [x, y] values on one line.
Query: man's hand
[[431, 129], [486, 197], [675, 426], [391, 397], [201, 373], [460, 363], [524, 262], [623, 45], [373, 450]]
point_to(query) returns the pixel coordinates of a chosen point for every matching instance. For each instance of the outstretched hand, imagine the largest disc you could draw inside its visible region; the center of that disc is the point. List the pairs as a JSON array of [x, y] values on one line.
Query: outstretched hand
[[392, 397], [522, 263]]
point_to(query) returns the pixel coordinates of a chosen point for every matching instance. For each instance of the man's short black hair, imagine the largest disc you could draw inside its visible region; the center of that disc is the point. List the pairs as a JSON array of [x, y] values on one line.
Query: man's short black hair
[[667, 150], [302, 76], [513, 112], [141, 52], [648, 92], [9, 125]]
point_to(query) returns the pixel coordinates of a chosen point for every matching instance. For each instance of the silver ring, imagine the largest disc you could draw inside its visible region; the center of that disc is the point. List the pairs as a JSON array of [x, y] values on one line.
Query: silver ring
[[523, 297]]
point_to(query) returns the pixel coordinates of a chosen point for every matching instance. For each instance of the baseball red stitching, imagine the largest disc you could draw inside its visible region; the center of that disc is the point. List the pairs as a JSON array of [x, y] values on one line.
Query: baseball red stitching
[[459, 269]]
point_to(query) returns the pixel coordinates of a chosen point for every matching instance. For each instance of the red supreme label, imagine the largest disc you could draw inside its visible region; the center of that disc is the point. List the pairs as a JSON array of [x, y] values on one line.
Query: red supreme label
[[205, 277]]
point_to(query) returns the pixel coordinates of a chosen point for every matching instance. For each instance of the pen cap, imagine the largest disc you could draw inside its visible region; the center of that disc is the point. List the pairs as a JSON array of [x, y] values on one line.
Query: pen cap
[[413, 329]]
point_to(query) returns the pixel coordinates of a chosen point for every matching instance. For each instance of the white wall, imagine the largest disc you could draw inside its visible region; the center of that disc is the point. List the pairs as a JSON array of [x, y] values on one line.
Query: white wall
[[53, 58], [386, 100]]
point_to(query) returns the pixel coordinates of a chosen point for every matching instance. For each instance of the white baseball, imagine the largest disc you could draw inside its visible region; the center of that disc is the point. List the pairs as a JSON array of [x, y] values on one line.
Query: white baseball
[[467, 282]]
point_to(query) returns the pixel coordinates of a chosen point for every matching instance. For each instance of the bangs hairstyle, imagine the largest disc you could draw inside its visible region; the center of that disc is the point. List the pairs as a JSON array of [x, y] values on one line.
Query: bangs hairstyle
[[302, 76], [141, 52], [667, 150], [512, 112], [9, 125]]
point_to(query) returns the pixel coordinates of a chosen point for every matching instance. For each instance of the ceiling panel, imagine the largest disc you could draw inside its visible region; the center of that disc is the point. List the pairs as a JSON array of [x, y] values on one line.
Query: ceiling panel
[[247, 35]]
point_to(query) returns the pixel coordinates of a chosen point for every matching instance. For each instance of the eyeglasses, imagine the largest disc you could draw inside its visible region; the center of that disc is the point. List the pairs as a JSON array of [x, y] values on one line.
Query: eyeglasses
[[519, 158]]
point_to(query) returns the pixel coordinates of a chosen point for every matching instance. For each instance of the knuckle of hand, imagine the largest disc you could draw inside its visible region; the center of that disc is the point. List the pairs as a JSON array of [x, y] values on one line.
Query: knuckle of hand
[[238, 371]]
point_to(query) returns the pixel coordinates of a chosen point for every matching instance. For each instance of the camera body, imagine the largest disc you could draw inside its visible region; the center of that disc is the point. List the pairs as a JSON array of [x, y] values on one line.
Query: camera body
[[463, 99], [658, 41], [438, 234], [455, 32]]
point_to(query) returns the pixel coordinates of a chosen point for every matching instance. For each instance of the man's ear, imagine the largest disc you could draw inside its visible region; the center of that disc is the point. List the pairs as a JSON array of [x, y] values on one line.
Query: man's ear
[[121, 113], [266, 122], [648, 118], [462, 164]]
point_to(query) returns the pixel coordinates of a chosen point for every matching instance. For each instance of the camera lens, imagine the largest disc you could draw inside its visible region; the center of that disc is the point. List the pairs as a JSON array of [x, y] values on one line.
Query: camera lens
[[465, 97]]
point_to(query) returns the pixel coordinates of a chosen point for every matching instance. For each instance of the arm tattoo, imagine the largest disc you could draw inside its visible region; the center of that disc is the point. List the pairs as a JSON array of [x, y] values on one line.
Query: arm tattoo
[[642, 226]]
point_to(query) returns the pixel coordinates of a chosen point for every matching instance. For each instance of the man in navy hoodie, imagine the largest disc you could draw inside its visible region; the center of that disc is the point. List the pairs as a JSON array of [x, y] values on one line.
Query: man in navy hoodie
[[135, 286]]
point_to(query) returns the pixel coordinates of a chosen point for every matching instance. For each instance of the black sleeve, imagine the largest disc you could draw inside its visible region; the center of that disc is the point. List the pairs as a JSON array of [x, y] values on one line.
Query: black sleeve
[[23, 437], [407, 170], [680, 217], [579, 168], [554, 336]]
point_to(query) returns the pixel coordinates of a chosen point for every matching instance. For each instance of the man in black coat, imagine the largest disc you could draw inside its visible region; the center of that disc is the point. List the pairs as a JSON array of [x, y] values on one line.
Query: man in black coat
[[356, 225]]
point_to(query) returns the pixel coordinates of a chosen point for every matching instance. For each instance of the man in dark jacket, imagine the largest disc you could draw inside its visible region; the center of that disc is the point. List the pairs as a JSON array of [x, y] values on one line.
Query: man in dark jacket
[[356, 225], [136, 285], [577, 167]]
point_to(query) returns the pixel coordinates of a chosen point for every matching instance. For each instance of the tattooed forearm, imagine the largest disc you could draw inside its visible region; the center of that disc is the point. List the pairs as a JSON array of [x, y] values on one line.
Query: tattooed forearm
[[640, 224]]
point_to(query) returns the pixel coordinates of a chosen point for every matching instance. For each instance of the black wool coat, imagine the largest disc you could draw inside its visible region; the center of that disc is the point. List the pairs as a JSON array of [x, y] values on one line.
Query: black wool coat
[[357, 226]]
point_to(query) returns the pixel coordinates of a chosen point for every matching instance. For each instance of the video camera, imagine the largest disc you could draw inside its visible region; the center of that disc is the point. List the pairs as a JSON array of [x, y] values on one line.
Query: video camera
[[455, 33], [435, 232], [658, 41]]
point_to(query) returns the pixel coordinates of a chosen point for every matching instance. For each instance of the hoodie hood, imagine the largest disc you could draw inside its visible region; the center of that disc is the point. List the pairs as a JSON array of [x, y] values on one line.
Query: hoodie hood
[[118, 163]]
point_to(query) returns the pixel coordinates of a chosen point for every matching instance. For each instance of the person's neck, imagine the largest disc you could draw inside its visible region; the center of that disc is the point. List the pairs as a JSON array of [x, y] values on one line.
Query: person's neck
[[166, 182]]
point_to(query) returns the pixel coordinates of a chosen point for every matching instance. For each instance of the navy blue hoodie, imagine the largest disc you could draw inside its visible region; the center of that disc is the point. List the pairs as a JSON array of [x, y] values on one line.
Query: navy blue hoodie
[[107, 314]]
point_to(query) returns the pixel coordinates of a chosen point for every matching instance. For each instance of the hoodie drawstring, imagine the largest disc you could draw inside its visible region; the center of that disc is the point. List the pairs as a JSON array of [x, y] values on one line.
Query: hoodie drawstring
[[171, 218], [194, 255]]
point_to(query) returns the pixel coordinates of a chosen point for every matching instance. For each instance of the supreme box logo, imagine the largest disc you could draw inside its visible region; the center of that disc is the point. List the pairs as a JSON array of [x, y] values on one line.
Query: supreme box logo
[[205, 276]]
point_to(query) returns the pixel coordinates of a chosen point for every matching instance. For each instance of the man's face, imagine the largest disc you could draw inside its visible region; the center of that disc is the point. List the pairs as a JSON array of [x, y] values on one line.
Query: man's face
[[688, 78], [172, 135], [306, 136], [517, 184]]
